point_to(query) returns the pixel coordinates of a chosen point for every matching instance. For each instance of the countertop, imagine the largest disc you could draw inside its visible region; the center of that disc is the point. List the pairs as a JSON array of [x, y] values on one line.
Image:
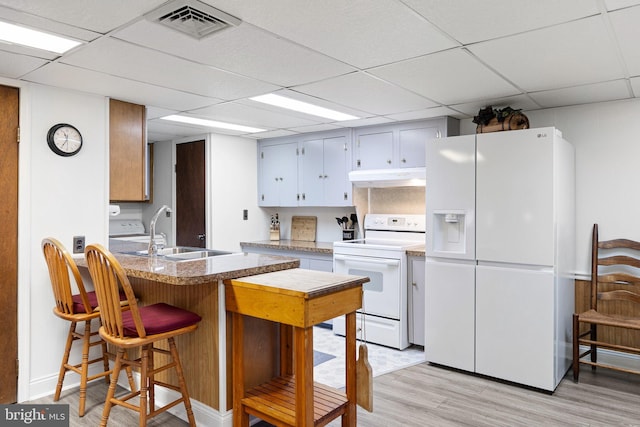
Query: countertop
[[195, 272], [318, 247], [292, 245]]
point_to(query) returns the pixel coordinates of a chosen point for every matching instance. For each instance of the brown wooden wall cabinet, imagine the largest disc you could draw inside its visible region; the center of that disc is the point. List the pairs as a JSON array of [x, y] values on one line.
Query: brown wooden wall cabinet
[[127, 152]]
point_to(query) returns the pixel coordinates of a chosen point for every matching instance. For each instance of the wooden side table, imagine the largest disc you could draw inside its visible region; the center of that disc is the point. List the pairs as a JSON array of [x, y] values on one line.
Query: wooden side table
[[297, 299]]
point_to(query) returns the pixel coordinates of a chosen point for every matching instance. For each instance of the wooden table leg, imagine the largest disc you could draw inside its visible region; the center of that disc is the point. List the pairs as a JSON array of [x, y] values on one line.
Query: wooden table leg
[[351, 383], [286, 350], [240, 418], [303, 354]]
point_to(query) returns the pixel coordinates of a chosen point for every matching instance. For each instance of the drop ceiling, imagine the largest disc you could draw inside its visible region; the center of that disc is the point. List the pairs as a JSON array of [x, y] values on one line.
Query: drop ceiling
[[379, 60]]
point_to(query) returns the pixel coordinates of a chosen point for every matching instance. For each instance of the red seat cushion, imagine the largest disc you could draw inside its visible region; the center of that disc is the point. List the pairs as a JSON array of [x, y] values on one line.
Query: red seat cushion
[[159, 318], [78, 306]]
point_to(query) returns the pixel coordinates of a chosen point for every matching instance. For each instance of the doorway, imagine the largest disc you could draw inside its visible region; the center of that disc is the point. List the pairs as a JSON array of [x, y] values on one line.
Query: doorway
[[9, 111], [191, 194]]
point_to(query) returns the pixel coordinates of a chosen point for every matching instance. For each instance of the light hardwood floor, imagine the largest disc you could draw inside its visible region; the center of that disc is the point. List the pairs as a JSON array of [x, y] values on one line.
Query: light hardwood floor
[[426, 395]]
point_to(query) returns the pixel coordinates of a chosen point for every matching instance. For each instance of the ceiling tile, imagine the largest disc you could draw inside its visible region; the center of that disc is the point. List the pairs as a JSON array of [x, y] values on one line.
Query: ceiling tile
[[635, 85], [250, 115], [618, 4], [123, 59], [579, 52], [366, 93], [446, 77], [245, 50], [597, 92], [14, 65], [74, 78], [424, 114], [95, 15], [627, 30], [273, 134], [364, 33], [473, 21]]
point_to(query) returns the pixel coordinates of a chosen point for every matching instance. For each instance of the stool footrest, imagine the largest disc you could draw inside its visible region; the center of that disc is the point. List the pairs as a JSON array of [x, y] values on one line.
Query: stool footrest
[[275, 402]]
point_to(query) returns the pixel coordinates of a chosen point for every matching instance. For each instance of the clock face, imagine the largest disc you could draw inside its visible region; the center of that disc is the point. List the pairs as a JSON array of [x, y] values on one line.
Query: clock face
[[64, 139]]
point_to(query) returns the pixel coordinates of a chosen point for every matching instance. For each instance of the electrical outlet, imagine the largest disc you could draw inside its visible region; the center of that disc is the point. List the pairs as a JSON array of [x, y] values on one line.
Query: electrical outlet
[[78, 244], [245, 214]]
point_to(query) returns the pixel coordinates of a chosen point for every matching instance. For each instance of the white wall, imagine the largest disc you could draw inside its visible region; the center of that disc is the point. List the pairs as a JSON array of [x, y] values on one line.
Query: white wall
[[68, 197], [233, 187], [606, 140]]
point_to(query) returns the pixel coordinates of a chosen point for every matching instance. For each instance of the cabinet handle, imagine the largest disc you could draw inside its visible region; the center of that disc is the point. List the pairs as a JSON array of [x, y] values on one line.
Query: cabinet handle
[[345, 196], [304, 196], [358, 163], [389, 161], [404, 160], [320, 176], [298, 197], [326, 176], [276, 179], [201, 236]]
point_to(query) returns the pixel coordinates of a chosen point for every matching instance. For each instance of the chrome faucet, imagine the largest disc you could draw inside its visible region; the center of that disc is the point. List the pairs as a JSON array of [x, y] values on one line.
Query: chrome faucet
[[153, 247]]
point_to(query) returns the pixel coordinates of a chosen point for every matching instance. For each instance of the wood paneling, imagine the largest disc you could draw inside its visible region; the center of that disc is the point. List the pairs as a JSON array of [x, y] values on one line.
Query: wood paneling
[[9, 107], [127, 151], [198, 350]]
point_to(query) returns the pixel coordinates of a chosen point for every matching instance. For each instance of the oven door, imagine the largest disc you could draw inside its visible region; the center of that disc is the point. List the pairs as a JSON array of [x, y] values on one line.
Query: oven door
[[382, 293]]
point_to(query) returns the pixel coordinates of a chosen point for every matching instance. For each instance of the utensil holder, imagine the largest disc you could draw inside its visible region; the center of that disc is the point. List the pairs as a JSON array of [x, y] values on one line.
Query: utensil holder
[[348, 234], [274, 234]]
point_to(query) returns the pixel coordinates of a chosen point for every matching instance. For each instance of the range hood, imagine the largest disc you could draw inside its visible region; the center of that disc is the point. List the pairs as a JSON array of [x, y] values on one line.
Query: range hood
[[381, 178]]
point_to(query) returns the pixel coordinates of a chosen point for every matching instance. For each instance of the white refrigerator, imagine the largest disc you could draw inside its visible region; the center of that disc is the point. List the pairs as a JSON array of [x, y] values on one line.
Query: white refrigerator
[[500, 254]]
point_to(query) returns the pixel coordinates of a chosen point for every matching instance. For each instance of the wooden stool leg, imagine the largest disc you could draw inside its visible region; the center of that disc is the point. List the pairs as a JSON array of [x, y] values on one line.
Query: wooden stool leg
[[65, 361], [576, 349], [105, 361], [151, 383], [144, 384], [303, 355], [112, 388], [182, 382], [84, 366]]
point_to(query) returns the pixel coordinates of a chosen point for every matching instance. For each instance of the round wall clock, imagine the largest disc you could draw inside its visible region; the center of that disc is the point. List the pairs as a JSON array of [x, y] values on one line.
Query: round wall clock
[[64, 139]]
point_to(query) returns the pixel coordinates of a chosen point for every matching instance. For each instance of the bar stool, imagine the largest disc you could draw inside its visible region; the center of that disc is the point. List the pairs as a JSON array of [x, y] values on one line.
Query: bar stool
[[75, 308], [140, 327]]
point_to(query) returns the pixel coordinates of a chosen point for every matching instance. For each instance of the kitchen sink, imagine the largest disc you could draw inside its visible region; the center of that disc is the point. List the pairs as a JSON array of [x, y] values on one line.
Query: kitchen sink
[[180, 253], [184, 256]]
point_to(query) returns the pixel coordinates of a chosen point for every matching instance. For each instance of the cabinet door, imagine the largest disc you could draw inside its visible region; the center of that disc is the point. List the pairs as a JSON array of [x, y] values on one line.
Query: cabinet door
[[416, 300], [279, 175], [127, 152], [514, 198], [374, 150], [312, 174], [412, 145], [515, 325], [337, 162], [450, 314]]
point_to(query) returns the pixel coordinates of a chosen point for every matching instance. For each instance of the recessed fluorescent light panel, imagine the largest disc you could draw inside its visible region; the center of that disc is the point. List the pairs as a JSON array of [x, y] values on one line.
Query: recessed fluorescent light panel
[[15, 34], [211, 123], [302, 107]]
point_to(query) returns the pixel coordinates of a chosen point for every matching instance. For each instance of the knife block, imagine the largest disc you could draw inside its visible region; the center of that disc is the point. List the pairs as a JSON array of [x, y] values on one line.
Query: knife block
[[274, 233]]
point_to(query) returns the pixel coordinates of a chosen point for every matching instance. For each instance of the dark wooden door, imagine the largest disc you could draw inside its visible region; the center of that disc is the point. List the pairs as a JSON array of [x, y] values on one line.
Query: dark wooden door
[[190, 194], [9, 107]]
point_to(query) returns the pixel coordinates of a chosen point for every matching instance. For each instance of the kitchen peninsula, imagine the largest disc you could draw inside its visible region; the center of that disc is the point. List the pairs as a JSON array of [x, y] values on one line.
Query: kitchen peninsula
[[197, 285]]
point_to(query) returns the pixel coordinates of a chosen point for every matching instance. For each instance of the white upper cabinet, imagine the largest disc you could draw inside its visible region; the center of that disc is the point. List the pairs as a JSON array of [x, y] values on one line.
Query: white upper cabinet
[[278, 174], [305, 170], [399, 145], [324, 172]]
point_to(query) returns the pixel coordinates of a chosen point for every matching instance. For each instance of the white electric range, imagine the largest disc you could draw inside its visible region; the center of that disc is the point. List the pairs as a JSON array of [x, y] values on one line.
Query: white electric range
[[382, 256]]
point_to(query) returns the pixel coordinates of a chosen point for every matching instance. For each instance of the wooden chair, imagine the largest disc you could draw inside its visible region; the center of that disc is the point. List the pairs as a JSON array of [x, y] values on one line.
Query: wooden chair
[[614, 298], [75, 308], [140, 327]]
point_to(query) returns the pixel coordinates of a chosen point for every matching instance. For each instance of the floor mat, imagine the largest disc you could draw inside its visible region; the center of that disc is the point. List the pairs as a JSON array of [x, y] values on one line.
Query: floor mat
[[320, 357]]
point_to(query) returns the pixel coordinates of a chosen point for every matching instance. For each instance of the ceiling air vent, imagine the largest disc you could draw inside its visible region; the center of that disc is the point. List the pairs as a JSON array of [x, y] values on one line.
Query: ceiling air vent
[[192, 17]]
